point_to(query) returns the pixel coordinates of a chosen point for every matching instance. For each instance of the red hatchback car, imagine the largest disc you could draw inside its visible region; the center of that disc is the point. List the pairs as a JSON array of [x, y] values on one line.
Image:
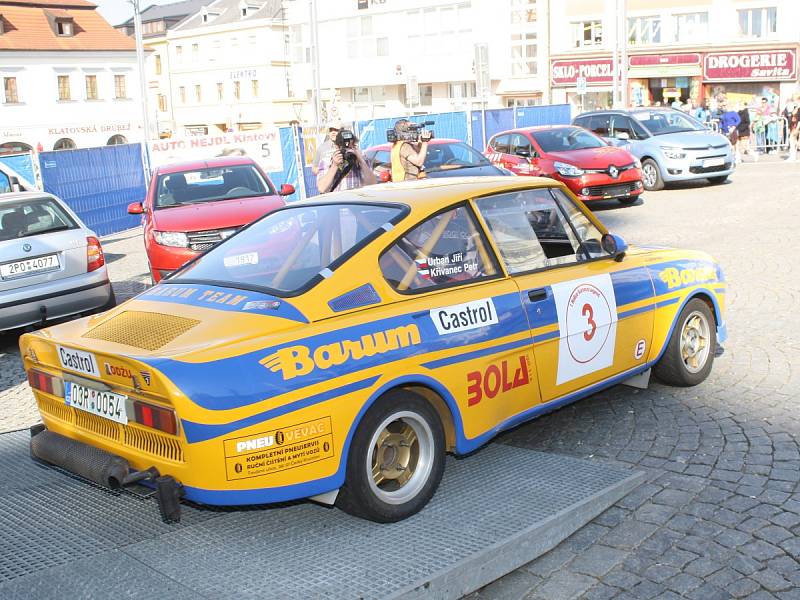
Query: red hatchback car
[[192, 206], [591, 168]]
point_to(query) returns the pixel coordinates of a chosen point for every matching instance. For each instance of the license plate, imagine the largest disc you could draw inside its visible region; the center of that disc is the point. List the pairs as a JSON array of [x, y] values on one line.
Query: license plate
[[103, 404], [29, 266], [714, 162]]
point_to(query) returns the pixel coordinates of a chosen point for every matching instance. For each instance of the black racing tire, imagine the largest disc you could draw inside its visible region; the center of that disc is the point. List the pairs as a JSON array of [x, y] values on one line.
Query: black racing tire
[[718, 180], [397, 416], [651, 176], [682, 364], [627, 201]]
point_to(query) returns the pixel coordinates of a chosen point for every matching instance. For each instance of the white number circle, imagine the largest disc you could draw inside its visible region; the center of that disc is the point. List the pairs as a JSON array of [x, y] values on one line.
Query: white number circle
[[588, 319]]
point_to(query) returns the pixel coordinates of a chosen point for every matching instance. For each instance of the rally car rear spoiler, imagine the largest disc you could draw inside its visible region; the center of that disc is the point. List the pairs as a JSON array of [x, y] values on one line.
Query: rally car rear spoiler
[[105, 469]]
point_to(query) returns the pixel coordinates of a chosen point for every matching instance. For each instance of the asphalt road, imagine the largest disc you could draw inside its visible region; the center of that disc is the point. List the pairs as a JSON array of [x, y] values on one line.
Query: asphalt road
[[720, 514]]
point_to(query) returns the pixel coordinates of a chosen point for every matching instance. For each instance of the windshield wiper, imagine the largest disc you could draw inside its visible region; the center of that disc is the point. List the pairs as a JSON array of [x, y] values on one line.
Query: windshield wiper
[[454, 167]]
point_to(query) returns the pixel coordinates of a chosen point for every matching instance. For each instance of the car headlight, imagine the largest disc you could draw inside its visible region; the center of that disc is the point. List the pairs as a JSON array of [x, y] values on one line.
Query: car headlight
[[176, 239], [637, 163], [567, 170], [670, 152]]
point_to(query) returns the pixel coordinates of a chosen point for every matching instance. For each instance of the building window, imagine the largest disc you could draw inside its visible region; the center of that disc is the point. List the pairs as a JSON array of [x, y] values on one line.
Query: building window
[[644, 30], [120, 93], [587, 33], [426, 95], [64, 27], [10, 87], [440, 31], [382, 46], [116, 140], [524, 49], [301, 52], [91, 87], [758, 22], [464, 89], [254, 87], [198, 96], [162, 103], [158, 64], [182, 92], [691, 27], [523, 54], [237, 89], [65, 144], [63, 88], [220, 91], [179, 53], [195, 52]]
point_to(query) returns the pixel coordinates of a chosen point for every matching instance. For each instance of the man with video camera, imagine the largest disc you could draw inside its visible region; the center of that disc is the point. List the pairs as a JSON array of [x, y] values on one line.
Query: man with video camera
[[409, 149], [343, 166]]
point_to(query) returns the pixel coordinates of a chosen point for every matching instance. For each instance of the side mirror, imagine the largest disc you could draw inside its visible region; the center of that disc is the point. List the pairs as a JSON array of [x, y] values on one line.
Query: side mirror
[[287, 189], [135, 208], [385, 176], [615, 246], [622, 135]]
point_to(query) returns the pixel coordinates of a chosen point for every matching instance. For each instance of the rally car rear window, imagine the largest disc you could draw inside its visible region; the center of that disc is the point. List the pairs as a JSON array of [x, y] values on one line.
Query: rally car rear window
[[290, 250]]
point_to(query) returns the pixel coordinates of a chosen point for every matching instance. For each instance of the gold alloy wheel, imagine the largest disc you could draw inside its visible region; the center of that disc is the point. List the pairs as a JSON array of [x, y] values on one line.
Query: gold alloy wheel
[[400, 458], [695, 341]]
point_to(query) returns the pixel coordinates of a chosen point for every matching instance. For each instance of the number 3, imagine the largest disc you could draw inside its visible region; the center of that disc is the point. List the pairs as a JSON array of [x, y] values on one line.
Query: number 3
[[589, 313]]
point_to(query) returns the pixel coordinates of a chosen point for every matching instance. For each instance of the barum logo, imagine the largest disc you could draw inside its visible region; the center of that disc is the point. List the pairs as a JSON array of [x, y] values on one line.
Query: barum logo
[[294, 361]]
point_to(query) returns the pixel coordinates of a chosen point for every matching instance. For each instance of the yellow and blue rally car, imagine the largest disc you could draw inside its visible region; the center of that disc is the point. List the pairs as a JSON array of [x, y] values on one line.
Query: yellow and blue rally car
[[337, 349]]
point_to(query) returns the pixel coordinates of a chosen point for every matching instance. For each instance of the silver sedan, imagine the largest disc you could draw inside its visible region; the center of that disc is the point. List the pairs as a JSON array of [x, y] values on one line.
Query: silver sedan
[[51, 265]]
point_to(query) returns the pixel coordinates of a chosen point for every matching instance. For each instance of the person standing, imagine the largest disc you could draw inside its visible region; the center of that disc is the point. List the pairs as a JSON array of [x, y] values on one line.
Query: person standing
[[743, 130], [326, 147], [409, 151], [343, 166], [792, 114], [729, 122]]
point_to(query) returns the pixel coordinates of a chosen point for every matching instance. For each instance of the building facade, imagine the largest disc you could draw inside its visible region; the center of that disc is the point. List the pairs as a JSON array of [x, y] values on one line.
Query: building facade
[[677, 50], [69, 79], [157, 21], [382, 58], [228, 66]]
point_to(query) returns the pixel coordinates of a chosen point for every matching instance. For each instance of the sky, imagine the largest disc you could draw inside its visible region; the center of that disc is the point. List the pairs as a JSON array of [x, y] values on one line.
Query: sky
[[119, 11]]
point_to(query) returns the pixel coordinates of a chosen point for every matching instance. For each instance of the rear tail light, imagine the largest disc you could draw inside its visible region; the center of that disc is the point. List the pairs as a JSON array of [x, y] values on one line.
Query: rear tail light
[[94, 254], [44, 382], [156, 417]]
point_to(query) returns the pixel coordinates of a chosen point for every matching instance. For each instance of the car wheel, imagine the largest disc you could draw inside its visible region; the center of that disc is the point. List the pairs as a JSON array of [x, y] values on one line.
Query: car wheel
[[690, 352], [651, 176], [717, 180], [396, 459], [627, 201]]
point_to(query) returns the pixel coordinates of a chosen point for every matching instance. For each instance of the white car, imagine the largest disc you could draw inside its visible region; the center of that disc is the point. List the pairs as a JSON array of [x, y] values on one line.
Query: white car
[[51, 265]]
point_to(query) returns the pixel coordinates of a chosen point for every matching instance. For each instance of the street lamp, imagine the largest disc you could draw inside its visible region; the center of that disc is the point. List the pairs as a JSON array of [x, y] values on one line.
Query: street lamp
[[137, 30]]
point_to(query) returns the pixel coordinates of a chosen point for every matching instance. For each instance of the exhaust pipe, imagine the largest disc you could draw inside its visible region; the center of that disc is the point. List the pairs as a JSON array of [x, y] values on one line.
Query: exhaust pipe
[[103, 468], [99, 466]]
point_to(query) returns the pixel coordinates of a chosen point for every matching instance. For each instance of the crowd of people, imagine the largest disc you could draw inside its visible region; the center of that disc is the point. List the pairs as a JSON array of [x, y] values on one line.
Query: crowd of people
[[752, 127]]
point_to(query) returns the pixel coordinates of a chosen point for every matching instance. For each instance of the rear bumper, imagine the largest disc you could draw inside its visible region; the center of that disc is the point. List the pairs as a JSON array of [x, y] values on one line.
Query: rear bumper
[[56, 300]]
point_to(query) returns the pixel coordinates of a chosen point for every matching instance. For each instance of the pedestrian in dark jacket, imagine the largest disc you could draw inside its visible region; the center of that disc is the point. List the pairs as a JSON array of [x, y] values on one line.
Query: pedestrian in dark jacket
[[743, 131], [729, 122]]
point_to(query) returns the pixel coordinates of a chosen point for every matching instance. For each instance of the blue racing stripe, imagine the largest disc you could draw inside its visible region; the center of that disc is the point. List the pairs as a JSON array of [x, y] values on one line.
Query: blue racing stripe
[[451, 360], [635, 311], [543, 337], [200, 432], [663, 303]]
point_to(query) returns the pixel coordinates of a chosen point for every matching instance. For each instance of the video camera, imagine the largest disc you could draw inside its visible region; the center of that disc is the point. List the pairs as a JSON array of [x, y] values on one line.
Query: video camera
[[410, 132]]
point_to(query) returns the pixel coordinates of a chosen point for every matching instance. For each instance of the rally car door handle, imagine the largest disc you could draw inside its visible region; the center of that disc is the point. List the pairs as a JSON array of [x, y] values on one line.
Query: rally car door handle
[[537, 295]]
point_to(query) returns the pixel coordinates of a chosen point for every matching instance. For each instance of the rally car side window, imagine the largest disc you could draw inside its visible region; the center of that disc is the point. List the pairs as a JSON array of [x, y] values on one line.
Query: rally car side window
[[532, 230], [445, 250]]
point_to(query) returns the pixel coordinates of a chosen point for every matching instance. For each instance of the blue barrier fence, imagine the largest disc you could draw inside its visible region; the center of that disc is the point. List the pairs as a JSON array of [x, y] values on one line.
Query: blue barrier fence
[[22, 164], [97, 183]]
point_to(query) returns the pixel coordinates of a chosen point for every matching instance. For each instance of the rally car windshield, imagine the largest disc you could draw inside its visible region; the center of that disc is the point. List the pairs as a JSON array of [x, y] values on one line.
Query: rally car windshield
[[210, 184], [292, 249]]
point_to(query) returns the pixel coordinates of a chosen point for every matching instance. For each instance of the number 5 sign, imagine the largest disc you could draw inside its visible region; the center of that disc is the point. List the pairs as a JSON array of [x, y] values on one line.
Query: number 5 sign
[[587, 320]]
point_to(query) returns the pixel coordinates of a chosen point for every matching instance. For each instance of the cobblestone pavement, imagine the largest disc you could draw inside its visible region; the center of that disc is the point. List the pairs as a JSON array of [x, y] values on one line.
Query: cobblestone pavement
[[720, 514], [127, 267]]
